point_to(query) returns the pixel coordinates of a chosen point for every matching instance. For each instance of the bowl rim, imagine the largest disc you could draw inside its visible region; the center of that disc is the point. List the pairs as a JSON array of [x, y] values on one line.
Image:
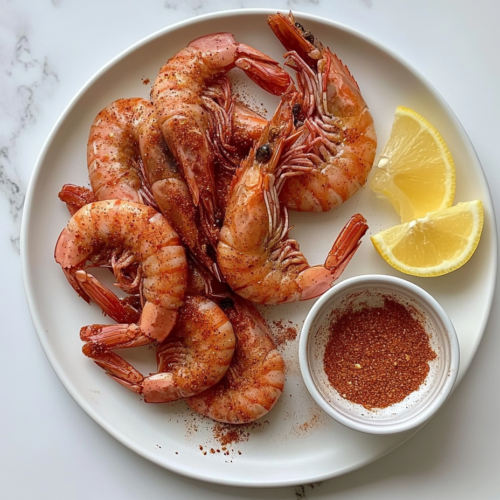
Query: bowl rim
[[423, 296]]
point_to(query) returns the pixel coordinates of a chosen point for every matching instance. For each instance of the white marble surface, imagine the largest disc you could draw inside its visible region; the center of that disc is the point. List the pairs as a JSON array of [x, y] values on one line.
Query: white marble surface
[[49, 448]]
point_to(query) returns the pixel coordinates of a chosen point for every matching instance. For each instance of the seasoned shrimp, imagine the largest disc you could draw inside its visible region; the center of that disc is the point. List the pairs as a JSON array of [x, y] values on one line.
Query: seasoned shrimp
[[128, 159], [256, 376], [338, 126], [181, 100], [147, 259], [119, 146], [194, 357], [254, 254]]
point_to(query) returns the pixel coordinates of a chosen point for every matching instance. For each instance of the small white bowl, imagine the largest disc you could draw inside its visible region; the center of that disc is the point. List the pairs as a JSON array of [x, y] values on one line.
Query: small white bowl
[[420, 405]]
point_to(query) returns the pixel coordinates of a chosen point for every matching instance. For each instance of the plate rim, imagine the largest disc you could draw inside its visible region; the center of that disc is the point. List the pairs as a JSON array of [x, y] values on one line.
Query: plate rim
[[25, 222]]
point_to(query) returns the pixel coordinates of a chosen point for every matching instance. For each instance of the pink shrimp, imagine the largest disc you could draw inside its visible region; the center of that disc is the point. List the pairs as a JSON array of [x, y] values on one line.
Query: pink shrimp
[[193, 358], [181, 94], [257, 259], [338, 127], [256, 376], [147, 259], [121, 142]]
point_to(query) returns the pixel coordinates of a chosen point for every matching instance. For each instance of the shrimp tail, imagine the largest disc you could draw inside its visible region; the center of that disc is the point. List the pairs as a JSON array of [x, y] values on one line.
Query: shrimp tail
[[114, 366], [120, 310], [346, 244], [75, 197], [270, 77], [316, 280]]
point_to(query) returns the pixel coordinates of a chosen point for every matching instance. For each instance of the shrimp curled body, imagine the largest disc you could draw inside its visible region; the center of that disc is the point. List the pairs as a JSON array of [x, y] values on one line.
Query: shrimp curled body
[[256, 376], [124, 140], [193, 358], [147, 259], [337, 124], [128, 159], [182, 104]]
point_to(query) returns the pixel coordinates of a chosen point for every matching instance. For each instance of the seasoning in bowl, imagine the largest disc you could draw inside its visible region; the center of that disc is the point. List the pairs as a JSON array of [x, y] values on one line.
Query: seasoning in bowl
[[377, 356]]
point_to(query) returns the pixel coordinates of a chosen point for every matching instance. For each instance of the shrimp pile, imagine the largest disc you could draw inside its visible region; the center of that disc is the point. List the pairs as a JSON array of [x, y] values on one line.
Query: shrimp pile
[[188, 210]]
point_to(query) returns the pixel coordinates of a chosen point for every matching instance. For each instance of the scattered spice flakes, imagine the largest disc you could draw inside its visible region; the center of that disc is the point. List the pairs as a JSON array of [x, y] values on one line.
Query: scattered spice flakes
[[377, 356], [306, 425], [228, 434], [146, 81], [245, 96], [191, 428], [284, 331]]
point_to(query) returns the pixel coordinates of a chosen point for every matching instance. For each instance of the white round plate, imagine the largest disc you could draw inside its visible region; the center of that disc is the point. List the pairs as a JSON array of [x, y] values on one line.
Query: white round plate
[[296, 443]]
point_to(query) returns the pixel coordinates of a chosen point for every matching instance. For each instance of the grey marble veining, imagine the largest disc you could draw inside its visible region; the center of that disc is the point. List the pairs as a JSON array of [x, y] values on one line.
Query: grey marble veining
[[27, 79]]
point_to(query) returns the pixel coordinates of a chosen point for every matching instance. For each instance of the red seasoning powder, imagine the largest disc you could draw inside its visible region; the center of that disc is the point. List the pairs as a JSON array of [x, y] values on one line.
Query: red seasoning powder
[[376, 356]]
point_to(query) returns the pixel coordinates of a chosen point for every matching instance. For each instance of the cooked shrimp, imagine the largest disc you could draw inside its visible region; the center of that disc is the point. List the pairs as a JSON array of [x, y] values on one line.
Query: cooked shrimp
[[254, 254], [196, 355], [126, 143], [128, 159], [117, 147], [256, 376], [193, 358], [147, 259], [179, 94], [340, 128]]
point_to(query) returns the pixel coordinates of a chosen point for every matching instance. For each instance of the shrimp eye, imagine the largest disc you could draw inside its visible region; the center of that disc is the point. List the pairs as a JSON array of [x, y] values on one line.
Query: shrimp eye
[[298, 25], [263, 154], [308, 36], [226, 303], [296, 109]]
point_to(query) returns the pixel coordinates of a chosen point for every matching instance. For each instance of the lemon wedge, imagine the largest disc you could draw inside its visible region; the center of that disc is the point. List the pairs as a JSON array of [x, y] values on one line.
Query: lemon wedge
[[415, 170], [434, 245]]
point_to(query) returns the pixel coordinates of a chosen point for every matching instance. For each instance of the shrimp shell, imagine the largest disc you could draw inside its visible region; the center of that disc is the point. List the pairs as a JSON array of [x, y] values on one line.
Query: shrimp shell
[[256, 376], [129, 234], [179, 94], [195, 356], [258, 260]]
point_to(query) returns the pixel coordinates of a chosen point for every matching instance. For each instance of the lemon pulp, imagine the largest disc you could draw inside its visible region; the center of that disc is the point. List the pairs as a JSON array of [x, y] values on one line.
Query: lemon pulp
[[415, 170], [434, 245]]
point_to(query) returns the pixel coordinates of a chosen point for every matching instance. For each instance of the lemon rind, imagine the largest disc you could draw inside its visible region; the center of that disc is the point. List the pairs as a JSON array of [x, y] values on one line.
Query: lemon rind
[[475, 208]]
